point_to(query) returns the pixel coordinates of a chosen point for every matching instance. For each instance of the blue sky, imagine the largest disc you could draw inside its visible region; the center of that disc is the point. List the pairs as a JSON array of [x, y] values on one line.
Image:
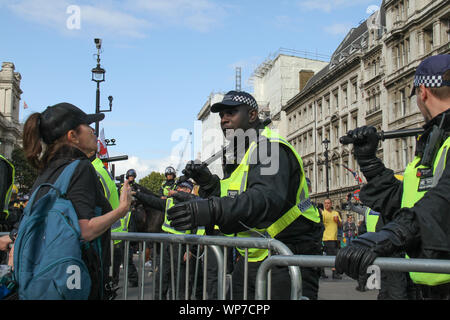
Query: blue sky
[[162, 58]]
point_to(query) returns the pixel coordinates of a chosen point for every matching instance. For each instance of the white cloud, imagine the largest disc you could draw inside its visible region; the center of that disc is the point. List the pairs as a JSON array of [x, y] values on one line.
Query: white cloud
[[200, 15], [132, 18], [143, 167], [338, 28]]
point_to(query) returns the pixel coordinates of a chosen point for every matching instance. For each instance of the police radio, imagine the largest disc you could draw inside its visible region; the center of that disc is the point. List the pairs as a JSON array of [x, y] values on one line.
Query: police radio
[[433, 144]]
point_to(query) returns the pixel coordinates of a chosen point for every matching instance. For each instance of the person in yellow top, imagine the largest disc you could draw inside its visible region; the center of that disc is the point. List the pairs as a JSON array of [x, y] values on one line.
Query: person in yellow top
[[331, 221]]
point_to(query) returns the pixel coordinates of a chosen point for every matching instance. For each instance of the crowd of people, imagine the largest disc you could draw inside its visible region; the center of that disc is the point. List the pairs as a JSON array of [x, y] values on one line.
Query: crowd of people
[[252, 200]]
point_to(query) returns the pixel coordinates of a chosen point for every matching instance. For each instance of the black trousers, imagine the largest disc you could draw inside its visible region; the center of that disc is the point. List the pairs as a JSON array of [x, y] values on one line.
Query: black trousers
[[179, 271], [119, 259]]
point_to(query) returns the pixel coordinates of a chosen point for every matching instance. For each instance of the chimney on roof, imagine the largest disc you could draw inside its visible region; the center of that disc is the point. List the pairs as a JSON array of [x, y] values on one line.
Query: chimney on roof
[[304, 76]]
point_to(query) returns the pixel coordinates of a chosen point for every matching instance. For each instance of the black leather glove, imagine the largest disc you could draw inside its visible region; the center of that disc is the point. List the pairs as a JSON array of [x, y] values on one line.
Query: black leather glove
[[192, 214], [365, 145], [199, 172], [354, 259]]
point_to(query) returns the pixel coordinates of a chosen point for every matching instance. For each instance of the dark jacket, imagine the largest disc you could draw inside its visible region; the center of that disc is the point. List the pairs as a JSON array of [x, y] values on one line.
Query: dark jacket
[[266, 198], [428, 220]]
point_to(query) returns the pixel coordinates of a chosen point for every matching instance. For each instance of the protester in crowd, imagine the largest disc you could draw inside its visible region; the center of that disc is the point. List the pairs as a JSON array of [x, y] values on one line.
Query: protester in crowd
[[52, 140], [349, 229], [331, 220]]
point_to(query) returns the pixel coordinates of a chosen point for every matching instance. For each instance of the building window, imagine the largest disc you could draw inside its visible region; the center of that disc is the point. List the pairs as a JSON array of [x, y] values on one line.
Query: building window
[[336, 101], [336, 134], [327, 105], [405, 152], [448, 29], [354, 120], [428, 39], [407, 51], [345, 96], [403, 102], [355, 90], [311, 142], [319, 108]]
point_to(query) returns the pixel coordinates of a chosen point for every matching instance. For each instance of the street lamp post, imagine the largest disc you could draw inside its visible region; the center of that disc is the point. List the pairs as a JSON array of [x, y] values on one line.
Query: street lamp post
[[98, 76], [326, 142]]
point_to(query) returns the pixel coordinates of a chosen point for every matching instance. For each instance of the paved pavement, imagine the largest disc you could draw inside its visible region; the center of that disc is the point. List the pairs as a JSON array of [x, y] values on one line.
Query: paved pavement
[[329, 289], [344, 289]]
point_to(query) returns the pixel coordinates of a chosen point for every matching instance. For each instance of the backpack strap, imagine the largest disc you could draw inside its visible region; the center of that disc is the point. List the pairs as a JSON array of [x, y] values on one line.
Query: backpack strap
[[60, 186], [63, 181]]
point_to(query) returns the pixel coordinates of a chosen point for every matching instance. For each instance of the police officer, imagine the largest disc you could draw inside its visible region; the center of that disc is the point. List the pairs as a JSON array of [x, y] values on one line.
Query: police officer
[[170, 183], [6, 187], [6, 184], [415, 212], [263, 194], [182, 193]]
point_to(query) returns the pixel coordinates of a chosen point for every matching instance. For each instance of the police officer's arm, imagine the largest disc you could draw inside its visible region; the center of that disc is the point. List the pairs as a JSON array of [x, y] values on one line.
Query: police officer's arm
[[383, 193], [151, 200], [361, 210], [422, 231]]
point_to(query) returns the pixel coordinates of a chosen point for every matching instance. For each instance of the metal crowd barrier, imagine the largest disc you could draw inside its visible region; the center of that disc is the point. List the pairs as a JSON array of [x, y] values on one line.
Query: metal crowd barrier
[[388, 264], [213, 242], [284, 258]]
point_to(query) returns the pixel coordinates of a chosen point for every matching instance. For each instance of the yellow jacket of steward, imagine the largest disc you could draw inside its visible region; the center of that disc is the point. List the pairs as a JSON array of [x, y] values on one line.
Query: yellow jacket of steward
[[110, 190], [257, 202], [9, 183]]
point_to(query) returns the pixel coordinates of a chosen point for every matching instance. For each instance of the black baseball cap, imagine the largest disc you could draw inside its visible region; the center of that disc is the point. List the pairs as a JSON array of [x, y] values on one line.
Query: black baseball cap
[[57, 120], [430, 72], [233, 99]]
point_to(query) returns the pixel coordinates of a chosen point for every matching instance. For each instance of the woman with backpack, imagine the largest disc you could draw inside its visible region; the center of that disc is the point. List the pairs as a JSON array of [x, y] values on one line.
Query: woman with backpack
[[54, 139]]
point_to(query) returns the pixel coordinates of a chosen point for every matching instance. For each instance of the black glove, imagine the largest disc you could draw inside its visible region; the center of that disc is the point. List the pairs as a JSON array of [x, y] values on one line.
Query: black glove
[[365, 145], [199, 172], [360, 254], [192, 214]]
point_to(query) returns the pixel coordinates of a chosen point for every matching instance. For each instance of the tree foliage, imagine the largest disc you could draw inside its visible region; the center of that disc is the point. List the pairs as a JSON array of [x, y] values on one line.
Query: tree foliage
[[25, 174], [153, 181]]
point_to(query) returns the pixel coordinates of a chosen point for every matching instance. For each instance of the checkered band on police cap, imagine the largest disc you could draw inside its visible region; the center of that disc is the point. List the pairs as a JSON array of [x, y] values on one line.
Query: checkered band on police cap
[[430, 71], [243, 98], [429, 81]]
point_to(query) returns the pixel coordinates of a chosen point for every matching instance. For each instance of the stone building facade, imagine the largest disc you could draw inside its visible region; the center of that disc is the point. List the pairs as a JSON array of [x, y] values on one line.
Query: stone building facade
[[367, 82], [10, 92]]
